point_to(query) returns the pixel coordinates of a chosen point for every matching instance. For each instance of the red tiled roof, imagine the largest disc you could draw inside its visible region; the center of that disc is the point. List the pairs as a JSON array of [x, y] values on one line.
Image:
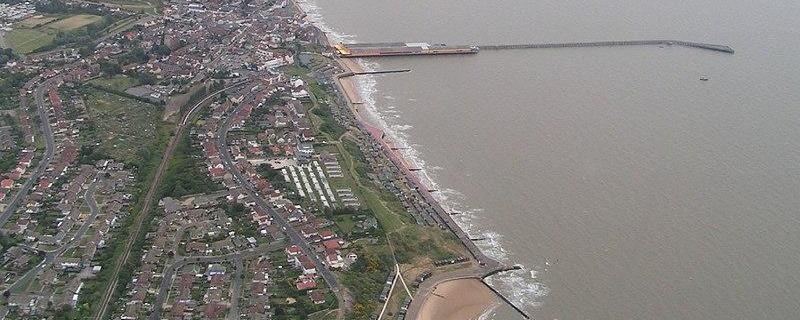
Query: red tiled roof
[[326, 234], [305, 283], [293, 250], [332, 244]]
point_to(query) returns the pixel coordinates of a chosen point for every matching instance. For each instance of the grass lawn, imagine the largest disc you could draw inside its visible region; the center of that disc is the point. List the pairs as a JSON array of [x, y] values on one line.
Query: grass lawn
[[125, 127], [345, 223], [74, 22], [388, 210], [118, 82]]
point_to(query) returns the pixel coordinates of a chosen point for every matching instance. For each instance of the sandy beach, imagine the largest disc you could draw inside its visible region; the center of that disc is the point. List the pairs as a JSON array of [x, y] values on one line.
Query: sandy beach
[[460, 299], [350, 90], [351, 65]]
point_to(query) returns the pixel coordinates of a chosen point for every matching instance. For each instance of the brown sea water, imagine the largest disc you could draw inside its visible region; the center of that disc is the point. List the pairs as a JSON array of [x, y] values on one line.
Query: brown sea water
[[631, 188]]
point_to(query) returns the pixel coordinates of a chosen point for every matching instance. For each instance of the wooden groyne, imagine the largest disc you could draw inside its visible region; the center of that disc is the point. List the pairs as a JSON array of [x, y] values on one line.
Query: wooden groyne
[[499, 270], [699, 45], [500, 295]]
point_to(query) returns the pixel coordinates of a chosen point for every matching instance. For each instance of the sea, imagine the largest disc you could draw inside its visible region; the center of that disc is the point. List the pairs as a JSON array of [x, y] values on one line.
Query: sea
[[625, 186]]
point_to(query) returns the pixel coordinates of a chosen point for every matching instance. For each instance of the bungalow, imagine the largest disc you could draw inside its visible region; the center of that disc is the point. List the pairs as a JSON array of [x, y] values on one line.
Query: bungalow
[[6, 183], [258, 289], [305, 264], [17, 173], [44, 184], [308, 232], [334, 260], [326, 234], [26, 158], [215, 269], [293, 250], [333, 244], [305, 283], [306, 135], [317, 297], [217, 171]]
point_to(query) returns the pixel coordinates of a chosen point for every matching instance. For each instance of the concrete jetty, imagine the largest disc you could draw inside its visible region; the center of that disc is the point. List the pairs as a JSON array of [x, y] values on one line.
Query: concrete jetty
[[698, 45]]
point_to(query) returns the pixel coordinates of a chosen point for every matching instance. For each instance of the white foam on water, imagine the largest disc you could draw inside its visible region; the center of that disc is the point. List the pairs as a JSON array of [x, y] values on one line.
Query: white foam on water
[[314, 15], [489, 313], [520, 288]]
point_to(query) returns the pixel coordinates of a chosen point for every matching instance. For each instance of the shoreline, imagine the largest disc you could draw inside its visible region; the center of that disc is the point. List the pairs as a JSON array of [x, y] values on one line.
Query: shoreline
[[458, 299], [463, 280], [467, 282]]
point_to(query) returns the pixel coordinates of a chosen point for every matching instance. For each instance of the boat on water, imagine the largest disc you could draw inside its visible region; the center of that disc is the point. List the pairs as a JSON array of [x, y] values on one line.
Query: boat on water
[[703, 78]]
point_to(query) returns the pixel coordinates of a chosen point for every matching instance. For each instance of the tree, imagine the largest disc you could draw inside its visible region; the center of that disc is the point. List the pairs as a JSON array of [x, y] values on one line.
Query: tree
[[145, 77], [6, 55], [160, 50], [110, 68]]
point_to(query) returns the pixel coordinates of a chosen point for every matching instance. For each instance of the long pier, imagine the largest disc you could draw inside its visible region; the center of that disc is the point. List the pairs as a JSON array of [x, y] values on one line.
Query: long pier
[[388, 49], [698, 45]]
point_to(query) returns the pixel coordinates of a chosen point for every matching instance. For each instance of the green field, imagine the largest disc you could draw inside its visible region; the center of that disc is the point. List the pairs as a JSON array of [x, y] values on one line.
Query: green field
[[74, 22], [36, 32], [26, 40], [36, 21], [124, 127]]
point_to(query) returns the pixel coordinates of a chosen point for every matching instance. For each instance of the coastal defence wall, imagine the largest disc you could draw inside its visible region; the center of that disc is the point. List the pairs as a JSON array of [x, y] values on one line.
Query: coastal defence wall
[[698, 45]]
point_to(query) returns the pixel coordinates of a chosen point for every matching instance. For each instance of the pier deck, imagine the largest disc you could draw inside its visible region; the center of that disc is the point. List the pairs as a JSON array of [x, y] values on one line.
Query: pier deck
[[357, 50], [384, 49]]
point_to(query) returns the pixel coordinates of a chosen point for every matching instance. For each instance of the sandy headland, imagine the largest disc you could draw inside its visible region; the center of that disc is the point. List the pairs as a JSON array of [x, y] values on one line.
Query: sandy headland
[[460, 299]]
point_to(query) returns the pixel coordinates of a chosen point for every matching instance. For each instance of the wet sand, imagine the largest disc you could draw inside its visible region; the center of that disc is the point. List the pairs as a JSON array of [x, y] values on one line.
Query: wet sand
[[460, 299]]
